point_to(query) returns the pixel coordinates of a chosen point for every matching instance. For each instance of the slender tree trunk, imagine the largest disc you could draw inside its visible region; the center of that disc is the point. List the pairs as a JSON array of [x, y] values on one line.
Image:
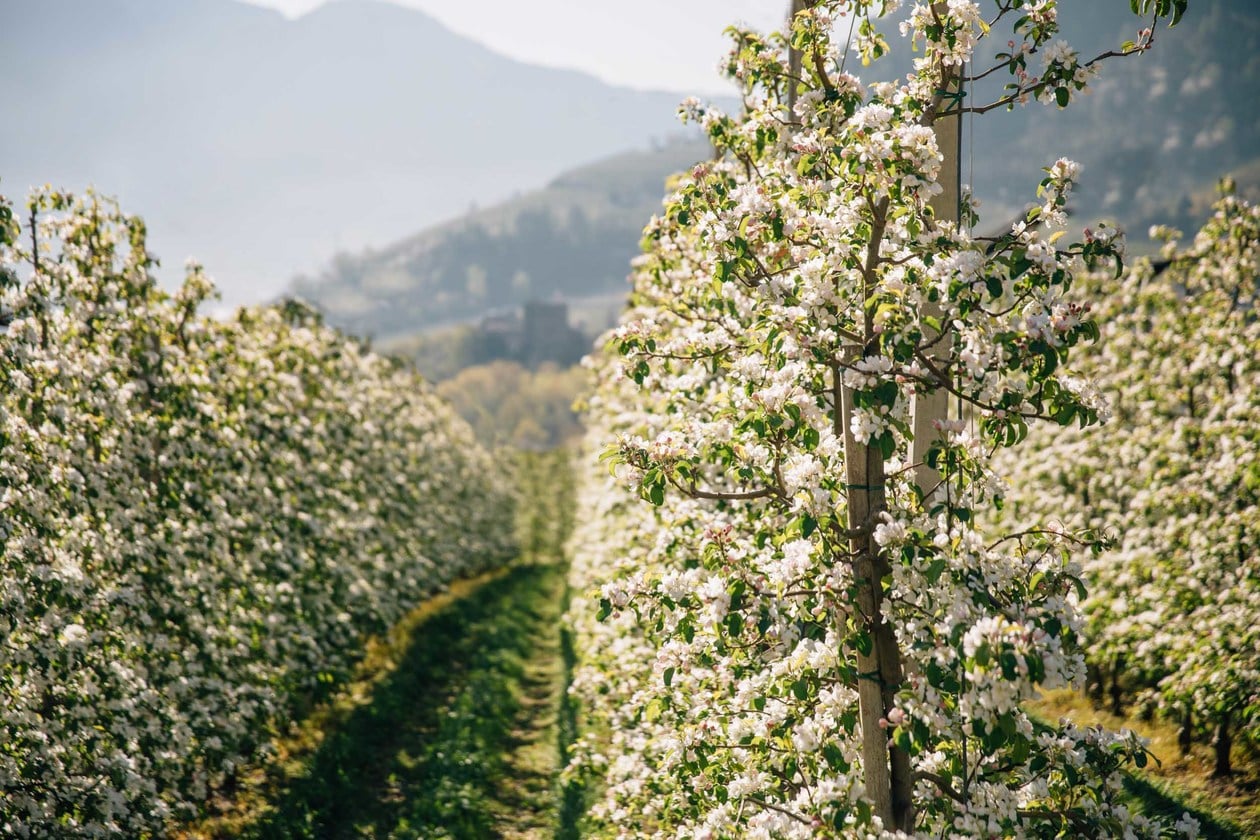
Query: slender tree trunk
[[887, 770], [1117, 693], [34, 242], [887, 774], [1094, 684], [1222, 741], [1185, 735]]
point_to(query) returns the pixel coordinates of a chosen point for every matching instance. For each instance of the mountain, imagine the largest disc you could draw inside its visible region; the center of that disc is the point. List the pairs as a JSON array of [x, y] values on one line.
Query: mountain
[[1155, 133], [264, 145], [573, 238], [1154, 130]]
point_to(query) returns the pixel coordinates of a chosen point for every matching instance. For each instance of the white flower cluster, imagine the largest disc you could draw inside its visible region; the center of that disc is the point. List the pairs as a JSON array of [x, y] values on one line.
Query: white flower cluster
[[200, 520], [1174, 610], [794, 639]]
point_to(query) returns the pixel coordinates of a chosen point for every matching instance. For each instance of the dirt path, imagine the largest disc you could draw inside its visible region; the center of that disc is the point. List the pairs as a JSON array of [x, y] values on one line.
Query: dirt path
[[524, 802]]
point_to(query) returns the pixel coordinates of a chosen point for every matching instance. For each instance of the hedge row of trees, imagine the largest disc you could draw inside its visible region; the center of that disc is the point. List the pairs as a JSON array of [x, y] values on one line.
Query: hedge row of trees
[[200, 520], [807, 624], [1174, 482]]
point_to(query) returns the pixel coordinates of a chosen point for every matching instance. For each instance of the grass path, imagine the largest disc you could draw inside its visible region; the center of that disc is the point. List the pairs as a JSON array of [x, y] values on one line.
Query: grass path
[[454, 723], [450, 732]]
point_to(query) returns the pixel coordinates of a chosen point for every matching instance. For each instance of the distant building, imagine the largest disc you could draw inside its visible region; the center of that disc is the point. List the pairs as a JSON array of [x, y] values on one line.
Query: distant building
[[504, 330], [542, 334], [546, 332]]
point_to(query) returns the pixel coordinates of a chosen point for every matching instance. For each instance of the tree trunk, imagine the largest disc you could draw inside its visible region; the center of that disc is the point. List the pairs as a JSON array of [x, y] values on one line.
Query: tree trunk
[[1222, 741], [1094, 685], [1117, 694], [1185, 735], [880, 672]]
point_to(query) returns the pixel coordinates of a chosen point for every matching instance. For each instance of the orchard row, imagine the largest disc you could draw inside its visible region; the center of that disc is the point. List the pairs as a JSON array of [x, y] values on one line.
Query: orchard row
[[1174, 606], [810, 619], [200, 520]]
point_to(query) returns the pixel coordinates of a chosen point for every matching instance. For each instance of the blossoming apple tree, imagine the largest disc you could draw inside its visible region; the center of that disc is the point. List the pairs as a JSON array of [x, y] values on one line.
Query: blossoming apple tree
[[199, 521], [802, 636], [1174, 610]]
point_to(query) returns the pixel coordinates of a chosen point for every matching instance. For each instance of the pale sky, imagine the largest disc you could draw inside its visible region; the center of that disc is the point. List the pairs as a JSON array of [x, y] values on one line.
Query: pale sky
[[670, 45]]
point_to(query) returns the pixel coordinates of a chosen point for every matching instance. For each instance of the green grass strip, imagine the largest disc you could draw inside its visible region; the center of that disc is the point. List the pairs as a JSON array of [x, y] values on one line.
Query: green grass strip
[[428, 752]]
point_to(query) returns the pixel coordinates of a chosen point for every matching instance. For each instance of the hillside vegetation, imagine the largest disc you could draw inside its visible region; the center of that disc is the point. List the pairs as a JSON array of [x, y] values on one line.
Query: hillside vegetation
[[573, 238], [1189, 118]]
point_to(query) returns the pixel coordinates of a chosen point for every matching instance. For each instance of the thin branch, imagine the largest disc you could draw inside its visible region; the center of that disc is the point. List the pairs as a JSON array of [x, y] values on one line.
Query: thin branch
[[734, 496], [942, 784], [1031, 532], [1041, 85], [34, 241], [784, 811]]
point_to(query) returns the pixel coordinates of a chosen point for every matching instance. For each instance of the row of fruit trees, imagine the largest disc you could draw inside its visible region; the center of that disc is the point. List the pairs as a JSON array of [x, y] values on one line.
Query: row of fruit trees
[[800, 627], [800, 630], [1173, 607], [200, 521]]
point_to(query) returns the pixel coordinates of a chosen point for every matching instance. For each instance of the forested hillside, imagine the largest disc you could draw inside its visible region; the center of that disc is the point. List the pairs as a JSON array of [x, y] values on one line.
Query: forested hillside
[[573, 238], [1189, 117], [264, 145]]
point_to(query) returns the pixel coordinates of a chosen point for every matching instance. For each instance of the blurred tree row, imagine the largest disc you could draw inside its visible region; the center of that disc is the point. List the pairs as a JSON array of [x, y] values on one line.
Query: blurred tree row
[[509, 405]]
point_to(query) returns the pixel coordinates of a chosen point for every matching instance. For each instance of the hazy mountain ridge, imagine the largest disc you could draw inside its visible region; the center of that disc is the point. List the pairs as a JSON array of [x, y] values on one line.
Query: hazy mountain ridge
[[1183, 114], [264, 145], [571, 239]]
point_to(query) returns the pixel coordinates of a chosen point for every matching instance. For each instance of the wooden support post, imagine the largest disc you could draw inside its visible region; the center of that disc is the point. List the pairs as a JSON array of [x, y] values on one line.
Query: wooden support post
[[928, 408], [794, 61]]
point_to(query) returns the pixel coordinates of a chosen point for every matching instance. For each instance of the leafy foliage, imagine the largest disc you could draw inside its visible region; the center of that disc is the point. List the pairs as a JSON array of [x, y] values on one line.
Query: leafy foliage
[[807, 631], [199, 522]]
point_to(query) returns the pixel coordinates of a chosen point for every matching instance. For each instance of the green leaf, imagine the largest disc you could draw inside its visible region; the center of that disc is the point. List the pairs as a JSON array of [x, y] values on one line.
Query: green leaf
[[800, 689], [886, 394], [1049, 357], [887, 445], [656, 494], [1079, 586], [994, 285], [835, 758]]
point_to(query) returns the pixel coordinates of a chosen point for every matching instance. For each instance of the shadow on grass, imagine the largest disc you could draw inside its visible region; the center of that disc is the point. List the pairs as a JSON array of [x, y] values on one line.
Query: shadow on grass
[[572, 796], [424, 757], [1153, 800]]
